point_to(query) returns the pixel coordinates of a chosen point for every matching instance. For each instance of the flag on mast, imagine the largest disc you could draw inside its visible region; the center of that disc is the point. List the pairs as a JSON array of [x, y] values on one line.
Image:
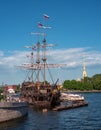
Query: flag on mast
[[44, 27], [46, 16], [40, 25]]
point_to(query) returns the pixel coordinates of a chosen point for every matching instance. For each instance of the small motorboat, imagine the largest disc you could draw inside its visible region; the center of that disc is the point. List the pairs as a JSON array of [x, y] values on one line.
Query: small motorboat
[[71, 97]]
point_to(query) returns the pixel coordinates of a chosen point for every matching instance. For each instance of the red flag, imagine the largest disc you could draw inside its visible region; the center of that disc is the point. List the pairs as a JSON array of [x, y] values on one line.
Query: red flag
[[33, 47], [46, 16], [40, 25]]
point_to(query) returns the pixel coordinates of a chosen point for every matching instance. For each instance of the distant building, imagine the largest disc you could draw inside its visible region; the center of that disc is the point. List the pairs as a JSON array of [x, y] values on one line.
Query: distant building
[[84, 74], [10, 88], [78, 79]]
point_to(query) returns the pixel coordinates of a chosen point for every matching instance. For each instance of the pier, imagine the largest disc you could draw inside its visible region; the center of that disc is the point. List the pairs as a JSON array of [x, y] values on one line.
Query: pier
[[71, 106]]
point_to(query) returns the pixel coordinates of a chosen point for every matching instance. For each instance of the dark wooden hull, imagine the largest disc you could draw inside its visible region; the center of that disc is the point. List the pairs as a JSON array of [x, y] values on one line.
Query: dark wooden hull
[[40, 95]]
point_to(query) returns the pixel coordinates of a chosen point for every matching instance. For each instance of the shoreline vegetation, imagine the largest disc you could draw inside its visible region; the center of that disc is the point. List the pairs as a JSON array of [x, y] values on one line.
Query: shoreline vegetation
[[88, 84]]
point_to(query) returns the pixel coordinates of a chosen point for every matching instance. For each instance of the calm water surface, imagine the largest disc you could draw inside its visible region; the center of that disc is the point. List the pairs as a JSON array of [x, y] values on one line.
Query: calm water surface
[[83, 118]]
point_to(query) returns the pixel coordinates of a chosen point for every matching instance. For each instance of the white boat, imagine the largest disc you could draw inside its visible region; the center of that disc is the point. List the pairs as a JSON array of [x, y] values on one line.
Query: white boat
[[71, 97]]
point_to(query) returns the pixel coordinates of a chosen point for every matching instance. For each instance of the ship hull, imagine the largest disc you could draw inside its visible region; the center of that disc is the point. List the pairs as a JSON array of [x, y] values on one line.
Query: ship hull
[[40, 95], [12, 110]]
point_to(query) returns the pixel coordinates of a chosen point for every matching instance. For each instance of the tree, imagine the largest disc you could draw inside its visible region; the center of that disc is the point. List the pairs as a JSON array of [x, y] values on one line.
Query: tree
[[90, 83], [96, 81]]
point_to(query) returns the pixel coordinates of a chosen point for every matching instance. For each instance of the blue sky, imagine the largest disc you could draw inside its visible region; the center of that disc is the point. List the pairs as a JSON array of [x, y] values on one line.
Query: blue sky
[[76, 29]]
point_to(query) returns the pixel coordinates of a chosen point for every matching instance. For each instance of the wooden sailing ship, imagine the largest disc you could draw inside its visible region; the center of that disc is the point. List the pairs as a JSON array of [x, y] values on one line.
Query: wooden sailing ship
[[41, 94]]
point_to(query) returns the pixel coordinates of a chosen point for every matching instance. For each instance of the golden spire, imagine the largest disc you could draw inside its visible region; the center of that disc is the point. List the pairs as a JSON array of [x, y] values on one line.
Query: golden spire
[[84, 74]]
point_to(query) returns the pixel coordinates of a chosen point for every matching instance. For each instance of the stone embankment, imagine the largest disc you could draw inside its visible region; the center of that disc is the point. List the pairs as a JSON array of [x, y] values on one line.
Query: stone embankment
[[71, 106], [12, 110]]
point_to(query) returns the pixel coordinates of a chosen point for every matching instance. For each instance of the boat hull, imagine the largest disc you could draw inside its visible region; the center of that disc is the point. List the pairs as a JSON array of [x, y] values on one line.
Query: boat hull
[[40, 95], [12, 110], [71, 97]]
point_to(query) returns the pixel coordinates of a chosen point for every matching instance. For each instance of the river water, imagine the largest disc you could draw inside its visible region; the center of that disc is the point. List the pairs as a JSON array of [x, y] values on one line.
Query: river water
[[83, 118]]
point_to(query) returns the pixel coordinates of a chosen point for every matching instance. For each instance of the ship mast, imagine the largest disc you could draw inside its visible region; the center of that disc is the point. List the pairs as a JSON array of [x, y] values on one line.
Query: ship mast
[[38, 59], [44, 46], [31, 66], [38, 47], [44, 58], [38, 66]]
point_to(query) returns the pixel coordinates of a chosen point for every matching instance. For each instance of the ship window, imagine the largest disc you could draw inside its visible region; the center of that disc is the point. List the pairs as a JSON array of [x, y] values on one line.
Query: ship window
[[48, 90]]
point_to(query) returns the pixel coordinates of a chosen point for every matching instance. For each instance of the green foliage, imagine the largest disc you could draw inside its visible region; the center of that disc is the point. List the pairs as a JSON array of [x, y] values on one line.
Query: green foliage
[[2, 97], [93, 83], [18, 88], [96, 81], [1, 89]]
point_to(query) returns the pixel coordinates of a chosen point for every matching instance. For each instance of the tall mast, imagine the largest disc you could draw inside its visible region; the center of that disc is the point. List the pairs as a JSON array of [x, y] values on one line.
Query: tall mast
[[35, 66], [44, 58], [38, 46], [31, 66], [44, 46], [38, 59]]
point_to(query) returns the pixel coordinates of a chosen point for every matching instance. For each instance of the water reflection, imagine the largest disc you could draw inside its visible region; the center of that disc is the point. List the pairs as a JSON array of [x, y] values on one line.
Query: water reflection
[[84, 118], [12, 124]]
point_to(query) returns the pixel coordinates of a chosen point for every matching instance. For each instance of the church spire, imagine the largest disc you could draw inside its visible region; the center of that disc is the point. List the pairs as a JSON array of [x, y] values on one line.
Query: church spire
[[84, 74]]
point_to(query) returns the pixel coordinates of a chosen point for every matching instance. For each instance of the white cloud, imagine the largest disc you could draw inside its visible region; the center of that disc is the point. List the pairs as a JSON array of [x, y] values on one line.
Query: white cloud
[[73, 57]]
